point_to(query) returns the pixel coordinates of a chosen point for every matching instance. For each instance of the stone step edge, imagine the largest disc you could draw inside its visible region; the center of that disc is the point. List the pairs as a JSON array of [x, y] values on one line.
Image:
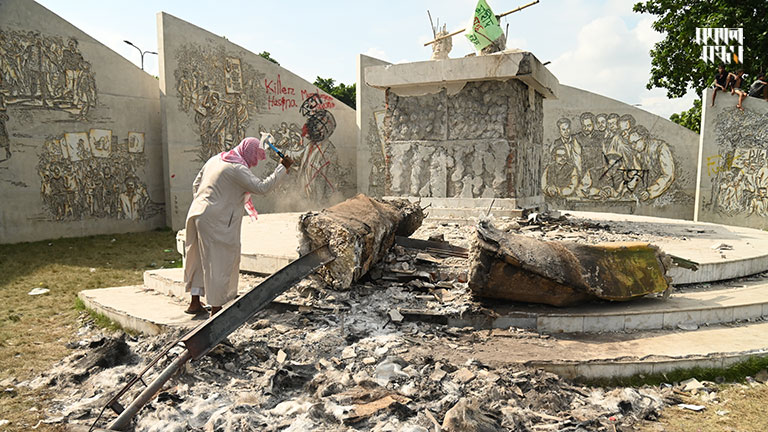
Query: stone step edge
[[623, 368], [151, 328], [126, 321], [591, 324]]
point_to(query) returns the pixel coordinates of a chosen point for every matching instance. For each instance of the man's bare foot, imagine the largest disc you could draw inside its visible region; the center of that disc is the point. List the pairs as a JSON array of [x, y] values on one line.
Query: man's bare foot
[[215, 310], [195, 306]]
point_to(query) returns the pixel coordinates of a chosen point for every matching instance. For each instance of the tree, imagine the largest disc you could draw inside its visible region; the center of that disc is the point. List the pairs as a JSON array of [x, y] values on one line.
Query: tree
[[342, 92], [690, 118], [266, 55], [676, 63]]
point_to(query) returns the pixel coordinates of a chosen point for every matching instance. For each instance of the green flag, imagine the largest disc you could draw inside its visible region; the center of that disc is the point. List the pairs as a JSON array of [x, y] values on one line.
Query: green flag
[[485, 27]]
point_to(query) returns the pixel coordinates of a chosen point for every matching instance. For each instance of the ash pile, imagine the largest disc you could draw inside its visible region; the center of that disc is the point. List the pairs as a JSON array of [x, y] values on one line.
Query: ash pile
[[353, 371], [339, 355]]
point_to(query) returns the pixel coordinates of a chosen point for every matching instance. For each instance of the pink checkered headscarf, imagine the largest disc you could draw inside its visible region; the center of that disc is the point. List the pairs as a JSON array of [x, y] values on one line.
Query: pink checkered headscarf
[[249, 152]]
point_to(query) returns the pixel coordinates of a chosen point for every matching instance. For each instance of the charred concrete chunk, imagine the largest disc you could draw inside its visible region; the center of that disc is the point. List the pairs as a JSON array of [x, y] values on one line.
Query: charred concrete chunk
[[359, 231], [514, 267]]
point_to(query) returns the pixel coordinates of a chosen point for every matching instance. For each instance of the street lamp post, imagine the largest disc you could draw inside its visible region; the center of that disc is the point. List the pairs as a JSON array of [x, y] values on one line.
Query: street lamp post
[[140, 51]]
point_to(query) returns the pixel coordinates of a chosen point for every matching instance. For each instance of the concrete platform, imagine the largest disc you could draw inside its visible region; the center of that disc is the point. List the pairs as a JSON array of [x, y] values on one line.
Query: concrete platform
[[272, 241], [714, 306], [585, 355], [695, 241], [138, 309], [614, 355]]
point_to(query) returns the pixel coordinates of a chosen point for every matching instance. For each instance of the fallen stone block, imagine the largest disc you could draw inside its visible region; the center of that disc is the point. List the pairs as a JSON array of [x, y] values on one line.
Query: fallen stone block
[[359, 232], [515, 267]]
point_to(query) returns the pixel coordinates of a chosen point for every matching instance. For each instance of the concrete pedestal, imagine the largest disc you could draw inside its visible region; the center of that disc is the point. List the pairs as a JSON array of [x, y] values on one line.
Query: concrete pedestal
[[465, 128]]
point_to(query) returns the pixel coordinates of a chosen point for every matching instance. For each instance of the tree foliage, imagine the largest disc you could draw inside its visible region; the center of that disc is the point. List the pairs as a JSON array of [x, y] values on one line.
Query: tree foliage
[[266, 55], [690, 118], [676, 63], [341, 91]]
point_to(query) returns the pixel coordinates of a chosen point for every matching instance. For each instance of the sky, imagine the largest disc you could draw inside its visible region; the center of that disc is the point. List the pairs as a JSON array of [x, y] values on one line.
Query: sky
[[597, 45]]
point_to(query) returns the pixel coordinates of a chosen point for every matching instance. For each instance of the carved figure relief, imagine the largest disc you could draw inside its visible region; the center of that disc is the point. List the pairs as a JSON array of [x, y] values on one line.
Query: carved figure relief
[[88, 175], [42, 72], [611, 158], [222, 92], [429, 170], [740, 169], [457, 145], [45, 72]]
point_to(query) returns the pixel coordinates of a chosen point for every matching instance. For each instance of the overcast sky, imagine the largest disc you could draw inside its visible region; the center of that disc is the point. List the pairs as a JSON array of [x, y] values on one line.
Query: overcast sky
[[598, 45]]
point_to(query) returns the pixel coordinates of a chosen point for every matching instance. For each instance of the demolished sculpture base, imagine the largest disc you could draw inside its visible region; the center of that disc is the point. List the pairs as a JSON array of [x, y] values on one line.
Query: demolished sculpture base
[[359, 232], [514, 267]]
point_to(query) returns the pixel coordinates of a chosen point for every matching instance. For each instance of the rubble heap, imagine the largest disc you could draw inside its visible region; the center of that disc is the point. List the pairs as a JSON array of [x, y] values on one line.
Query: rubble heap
[[359, 232], [515, 267], [353, 370]]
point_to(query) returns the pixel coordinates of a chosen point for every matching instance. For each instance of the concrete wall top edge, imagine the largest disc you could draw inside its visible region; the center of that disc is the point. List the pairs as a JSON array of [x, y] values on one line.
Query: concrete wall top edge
[[667, 122], [500, 66]]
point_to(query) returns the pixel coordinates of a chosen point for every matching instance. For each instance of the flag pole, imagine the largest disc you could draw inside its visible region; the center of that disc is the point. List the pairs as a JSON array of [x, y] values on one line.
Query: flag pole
[[463, 30]]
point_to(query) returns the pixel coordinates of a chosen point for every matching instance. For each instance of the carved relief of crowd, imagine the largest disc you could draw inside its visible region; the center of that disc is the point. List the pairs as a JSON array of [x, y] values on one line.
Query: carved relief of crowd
[[451, 145], [611, 158], [87, 175], [740, 169], [223, 94], [461, 170], [45, 72]]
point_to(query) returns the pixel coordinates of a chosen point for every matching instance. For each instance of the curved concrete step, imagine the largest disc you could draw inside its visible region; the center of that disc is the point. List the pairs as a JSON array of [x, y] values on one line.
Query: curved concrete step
[[700, 308], [612, 355], [170, 282], [606, 355], [150, 312], [138, 309]]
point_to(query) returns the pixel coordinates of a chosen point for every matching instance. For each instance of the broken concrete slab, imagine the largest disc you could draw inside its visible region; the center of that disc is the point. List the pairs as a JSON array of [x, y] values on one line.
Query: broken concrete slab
[[359, 232], [515, 267]]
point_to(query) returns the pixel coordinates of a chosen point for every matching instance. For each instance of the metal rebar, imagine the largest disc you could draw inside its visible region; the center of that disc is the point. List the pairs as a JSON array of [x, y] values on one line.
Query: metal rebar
[[437, 39], [124, 419]]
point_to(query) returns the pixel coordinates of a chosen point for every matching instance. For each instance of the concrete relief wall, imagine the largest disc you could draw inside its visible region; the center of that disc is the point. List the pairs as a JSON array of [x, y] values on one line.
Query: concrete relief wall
[[79, 133], [371, 153], [483, 141], [216, 93], [734, 162], [604, 155]]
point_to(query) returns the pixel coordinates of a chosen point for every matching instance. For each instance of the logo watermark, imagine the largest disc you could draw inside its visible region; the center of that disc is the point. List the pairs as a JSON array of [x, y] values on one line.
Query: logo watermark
[[721, 45]]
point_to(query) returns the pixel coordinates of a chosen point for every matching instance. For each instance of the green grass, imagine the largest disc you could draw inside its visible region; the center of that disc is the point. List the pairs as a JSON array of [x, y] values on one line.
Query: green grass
[[732, 374], [34, 330], [101, 320]]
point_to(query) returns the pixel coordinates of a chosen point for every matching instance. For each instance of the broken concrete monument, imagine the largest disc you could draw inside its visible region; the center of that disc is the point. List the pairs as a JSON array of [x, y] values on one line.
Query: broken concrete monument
[[471, 127], [514, 267], [359, 232], [442, 47]]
